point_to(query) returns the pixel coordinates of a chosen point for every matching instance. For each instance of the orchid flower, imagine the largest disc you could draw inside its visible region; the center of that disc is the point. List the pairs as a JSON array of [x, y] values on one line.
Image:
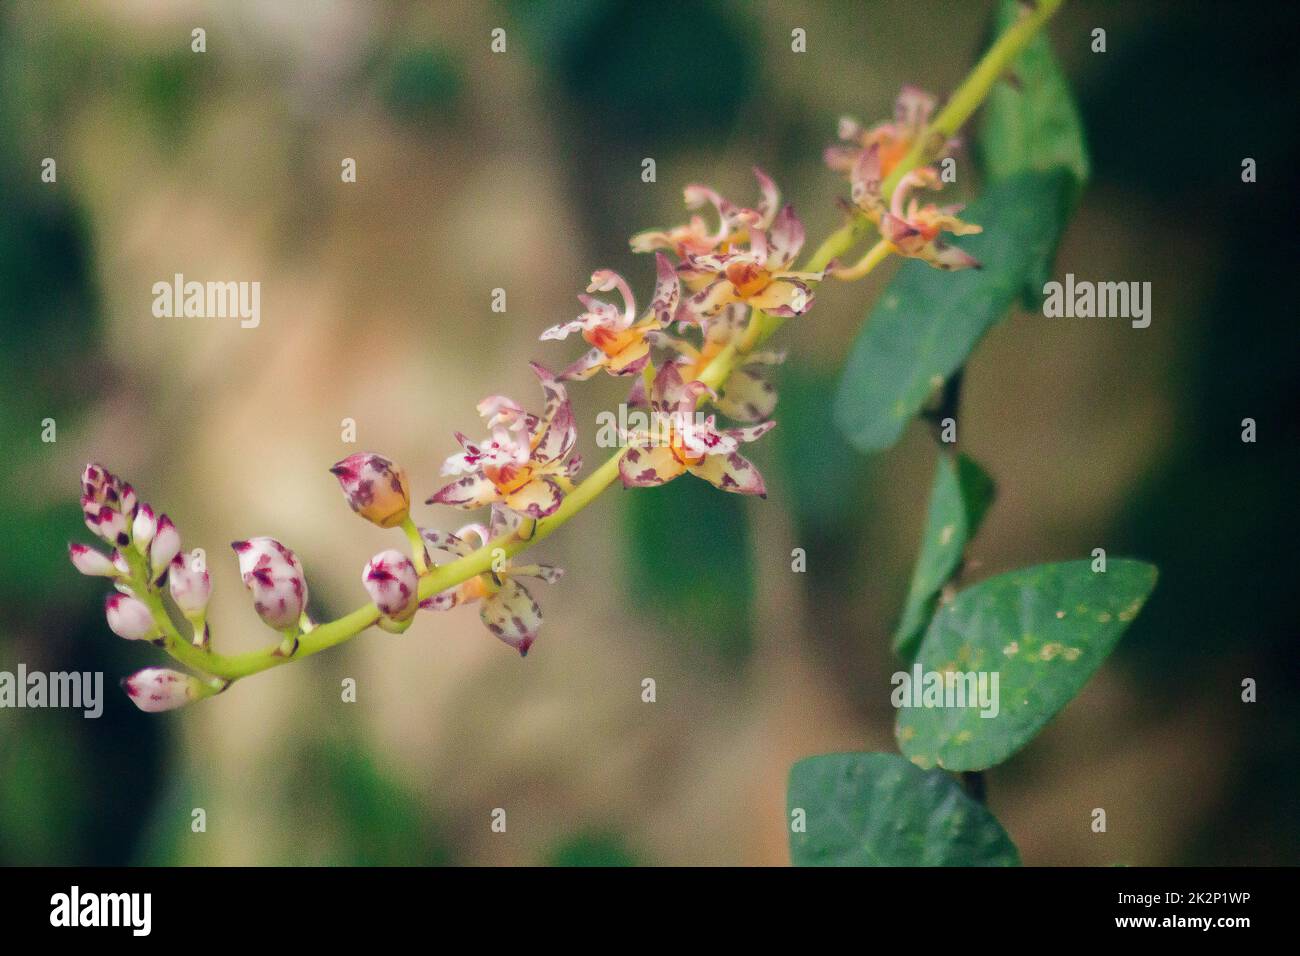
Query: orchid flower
[[507, 610], [521, 464], [746, 396], [912, 111], [913, 229], [734, 222], [677, 443], [621, 344], [758, 276]]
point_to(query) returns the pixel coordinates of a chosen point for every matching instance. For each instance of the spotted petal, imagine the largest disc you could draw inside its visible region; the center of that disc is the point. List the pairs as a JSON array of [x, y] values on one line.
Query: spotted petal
[[584, 368], [647, 467], [786, 239], [731, 472], [667, 290], [865, 182], [747, 397], [535, 499], [446, 541], [471, 491], [513, 616], [784, 297]]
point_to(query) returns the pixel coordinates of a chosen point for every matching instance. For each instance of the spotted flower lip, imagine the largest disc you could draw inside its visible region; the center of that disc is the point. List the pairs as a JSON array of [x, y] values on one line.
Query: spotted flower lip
[[392, 583], [620, 343], [893, 140], [699, 448], [375, 488], [521, 464], [912, 228], [758, 276], [507, 609], [734, 222], [156, 689]]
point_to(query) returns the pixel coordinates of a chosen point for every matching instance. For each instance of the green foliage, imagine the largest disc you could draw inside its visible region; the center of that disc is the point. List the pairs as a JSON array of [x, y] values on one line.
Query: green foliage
[[1043, 630], [422, 85], [880, 810], [591, 848], [926, 323], [1033, 123], [959, 497], [689, 557]]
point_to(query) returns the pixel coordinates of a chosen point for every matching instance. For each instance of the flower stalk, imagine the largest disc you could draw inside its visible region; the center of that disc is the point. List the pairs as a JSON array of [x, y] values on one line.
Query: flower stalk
[[524, 470]]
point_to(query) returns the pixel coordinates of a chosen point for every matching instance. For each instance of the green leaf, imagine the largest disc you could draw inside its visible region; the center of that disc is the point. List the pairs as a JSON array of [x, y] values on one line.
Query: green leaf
[[959, 497], [1042, 632], [687, 549], [928, 321], [880, 810], [1032, 124]]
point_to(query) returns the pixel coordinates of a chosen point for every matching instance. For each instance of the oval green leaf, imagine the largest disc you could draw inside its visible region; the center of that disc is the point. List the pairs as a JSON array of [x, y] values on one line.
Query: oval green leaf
[[880, 810], [1039, 632]]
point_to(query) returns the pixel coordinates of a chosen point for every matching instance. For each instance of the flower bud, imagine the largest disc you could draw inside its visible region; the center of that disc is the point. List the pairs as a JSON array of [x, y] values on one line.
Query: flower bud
[[91, 562], [279, 595], [93, 478], [129, 503], [165, 545], [392, 582], [129, 618], [120, 562], [110, 526], [375, 488], [156, 689], [190, 588], [143, 528], [263, 553]]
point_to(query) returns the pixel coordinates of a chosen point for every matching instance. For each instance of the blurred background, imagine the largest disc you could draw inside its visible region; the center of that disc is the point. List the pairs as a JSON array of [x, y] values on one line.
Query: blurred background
[[522, 171]]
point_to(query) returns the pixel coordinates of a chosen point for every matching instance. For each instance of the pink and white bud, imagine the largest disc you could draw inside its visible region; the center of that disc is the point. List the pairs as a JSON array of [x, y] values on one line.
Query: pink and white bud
[[120, 562], [143, 528], [156, 689], [93, 478], [129, 502], [279, 595], [392, 583], [263, 553], [110, 526], [128, 618], [166, 545], [91, 562], [375, 488], [190, 587]]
